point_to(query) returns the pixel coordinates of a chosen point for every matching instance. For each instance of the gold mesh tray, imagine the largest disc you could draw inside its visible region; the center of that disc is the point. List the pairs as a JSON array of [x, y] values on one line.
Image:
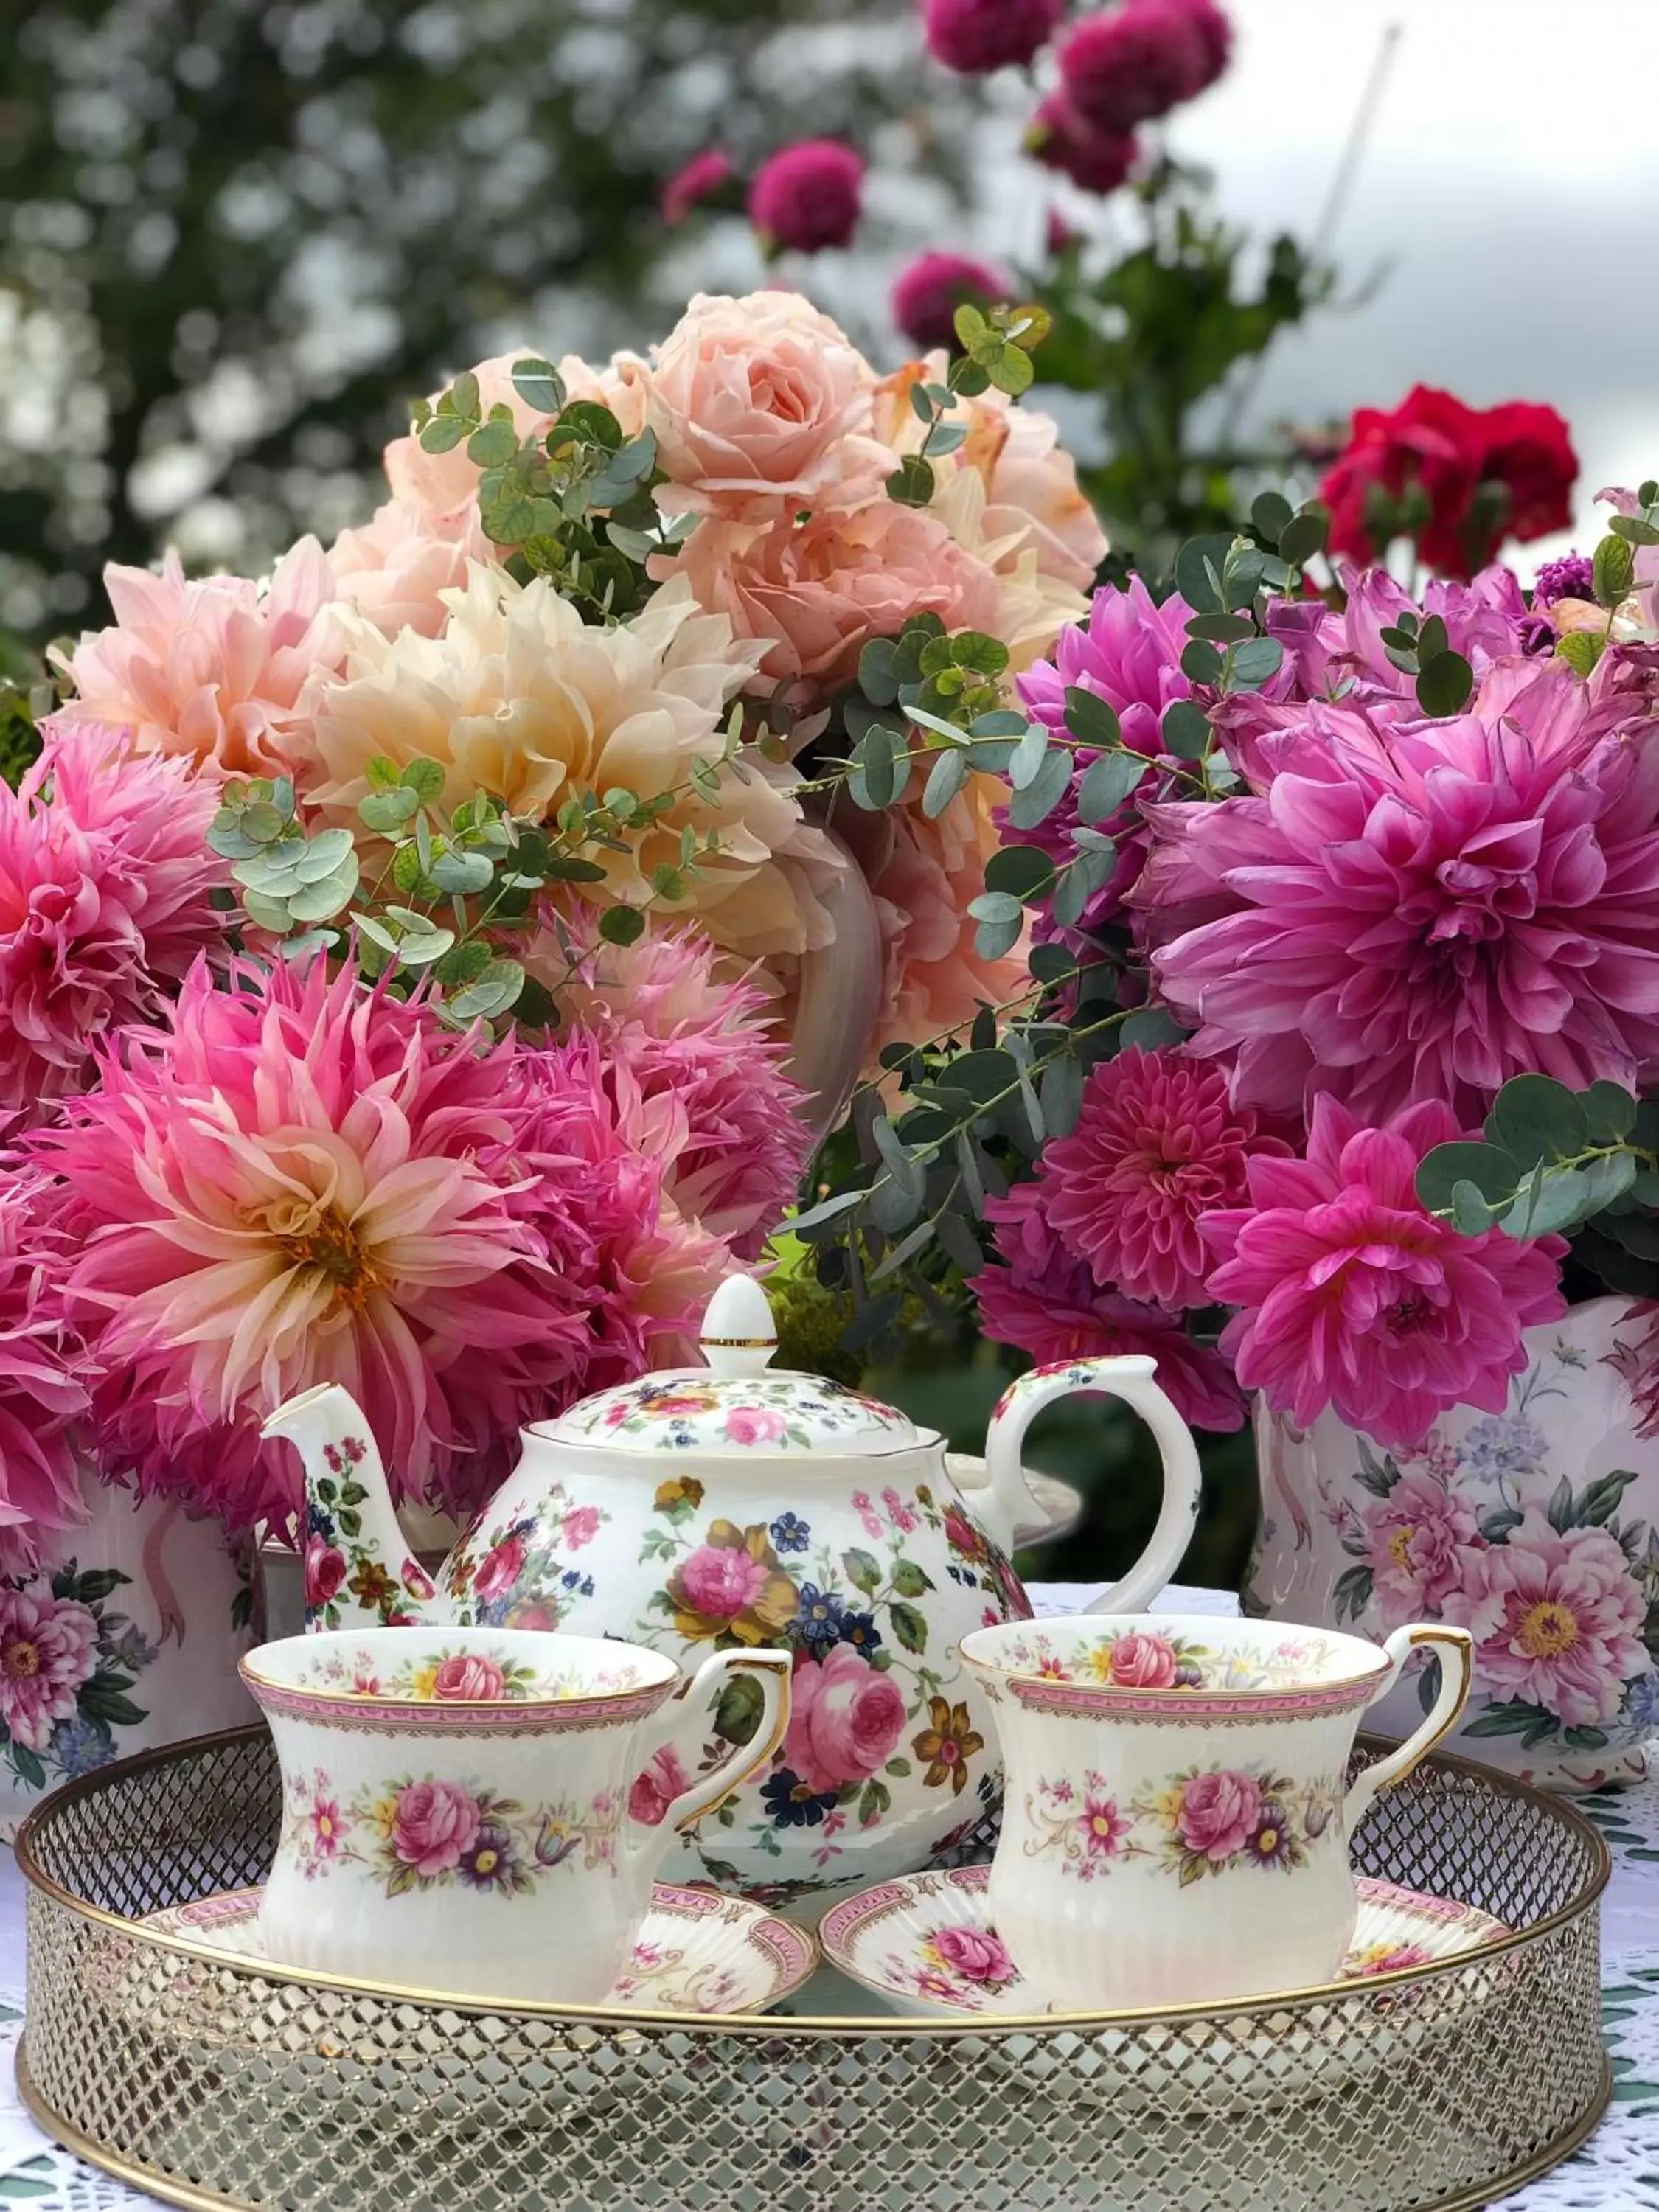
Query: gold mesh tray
[[211, 2080]]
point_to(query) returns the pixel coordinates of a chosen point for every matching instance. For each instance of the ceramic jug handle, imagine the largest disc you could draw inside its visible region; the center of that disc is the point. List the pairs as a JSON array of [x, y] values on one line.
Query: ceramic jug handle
[[683, 1714], [1129, 1378], [1456, 1673]]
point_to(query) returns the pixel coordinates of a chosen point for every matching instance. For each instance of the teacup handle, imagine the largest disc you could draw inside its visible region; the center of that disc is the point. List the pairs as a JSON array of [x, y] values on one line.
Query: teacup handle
[[1456, 1674], [772, 1670], [1130, 1378]]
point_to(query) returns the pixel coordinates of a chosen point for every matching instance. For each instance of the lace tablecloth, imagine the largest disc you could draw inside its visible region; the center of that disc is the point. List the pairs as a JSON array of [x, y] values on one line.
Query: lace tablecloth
[[1618, 2170]]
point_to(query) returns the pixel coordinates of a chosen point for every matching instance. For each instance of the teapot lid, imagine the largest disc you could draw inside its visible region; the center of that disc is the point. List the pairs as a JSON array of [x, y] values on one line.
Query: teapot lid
[[735, 1404]]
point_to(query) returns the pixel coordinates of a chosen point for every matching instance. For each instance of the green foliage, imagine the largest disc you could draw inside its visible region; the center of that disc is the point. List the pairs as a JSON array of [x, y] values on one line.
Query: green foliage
[[25, 695], [1553, 1161], [1153, 336]]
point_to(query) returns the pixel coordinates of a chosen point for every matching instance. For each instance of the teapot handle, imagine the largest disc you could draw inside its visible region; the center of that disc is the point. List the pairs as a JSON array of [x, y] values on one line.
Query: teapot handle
[[684, 1715], [1130, 1378]]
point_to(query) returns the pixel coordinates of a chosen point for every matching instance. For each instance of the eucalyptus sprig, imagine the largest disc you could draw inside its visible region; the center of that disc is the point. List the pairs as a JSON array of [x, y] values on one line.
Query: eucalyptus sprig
[[572, 501], [997, 345], [1552, 1160]]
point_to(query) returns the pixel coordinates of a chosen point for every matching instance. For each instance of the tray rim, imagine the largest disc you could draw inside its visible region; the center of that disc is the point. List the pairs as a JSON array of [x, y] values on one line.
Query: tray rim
[[827, 2026], [156, 2183]]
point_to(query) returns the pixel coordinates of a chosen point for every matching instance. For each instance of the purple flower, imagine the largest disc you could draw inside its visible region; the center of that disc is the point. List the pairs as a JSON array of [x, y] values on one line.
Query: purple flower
[[929, 290], [1095, 161], [1572, 577], [1140, 60], [808, 196]]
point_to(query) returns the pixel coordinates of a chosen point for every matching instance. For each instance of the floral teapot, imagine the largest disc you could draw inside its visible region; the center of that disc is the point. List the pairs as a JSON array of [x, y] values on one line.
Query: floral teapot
[[729, 1506]]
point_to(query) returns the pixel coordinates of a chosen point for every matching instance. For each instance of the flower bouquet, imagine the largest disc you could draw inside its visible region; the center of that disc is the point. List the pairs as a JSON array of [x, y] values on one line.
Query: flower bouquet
[[428, 966]]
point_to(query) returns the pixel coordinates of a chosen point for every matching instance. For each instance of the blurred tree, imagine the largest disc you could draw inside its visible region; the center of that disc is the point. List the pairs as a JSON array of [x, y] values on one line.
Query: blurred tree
[[237, 236]]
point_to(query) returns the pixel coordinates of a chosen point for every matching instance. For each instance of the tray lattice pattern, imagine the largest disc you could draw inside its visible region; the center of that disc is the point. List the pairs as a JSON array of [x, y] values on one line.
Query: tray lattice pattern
[[213, 2081]]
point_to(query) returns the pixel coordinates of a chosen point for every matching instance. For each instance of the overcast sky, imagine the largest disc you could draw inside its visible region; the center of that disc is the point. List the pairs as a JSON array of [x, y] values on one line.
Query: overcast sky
[[1510, 179]]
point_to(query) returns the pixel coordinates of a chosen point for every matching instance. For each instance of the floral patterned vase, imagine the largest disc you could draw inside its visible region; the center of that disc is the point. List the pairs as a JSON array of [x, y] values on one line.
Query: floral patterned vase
[[127, 1636], [1536, 1529]]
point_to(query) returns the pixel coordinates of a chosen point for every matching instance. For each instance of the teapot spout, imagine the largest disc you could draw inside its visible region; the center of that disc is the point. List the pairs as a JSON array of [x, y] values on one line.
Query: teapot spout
[[359, 1570]]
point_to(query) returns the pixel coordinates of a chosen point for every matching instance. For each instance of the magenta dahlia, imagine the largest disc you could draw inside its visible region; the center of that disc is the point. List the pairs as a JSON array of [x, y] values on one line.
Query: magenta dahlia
[[1094, 161], [1351, 1295], [1413, 911], [1134, 64], [808, 196], [1157, 1146], [701, 1058], [42, 1396], [977, 36], [297, 1180], [105, 887], [928, 291], [695, 181], [1129, 654], [1040, 1297]]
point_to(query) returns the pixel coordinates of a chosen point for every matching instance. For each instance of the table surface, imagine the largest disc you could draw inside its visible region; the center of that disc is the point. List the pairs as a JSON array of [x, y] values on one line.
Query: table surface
[[1617, 2171]]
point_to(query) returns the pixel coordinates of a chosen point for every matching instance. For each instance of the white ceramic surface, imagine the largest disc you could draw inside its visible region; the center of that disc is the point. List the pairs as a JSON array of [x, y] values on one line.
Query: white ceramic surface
[[1178, 1816], [928, 1946], [1537, 1528], [696, 1950], [729, 1505], [1055, 1510], [127, 1636], [482, 1810]]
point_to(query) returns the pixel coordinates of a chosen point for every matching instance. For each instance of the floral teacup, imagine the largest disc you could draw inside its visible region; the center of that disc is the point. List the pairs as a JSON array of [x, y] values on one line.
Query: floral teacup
[[1178, 1811], [474, 1810]]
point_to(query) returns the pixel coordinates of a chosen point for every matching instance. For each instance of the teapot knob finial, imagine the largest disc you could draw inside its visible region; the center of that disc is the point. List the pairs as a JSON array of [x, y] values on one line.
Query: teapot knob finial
[[739, 1335]]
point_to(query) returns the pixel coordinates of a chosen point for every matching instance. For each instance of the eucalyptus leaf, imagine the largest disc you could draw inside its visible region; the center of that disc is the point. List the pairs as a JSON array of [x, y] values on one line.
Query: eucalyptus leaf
[[539, 385], [387, 811], [420, 950], [1535, 1118], [1254, 662], [321, 902], [1108, 782], [1198, 569], [1025, 872], [462, 873], [495, 988], [1029, 755], [1151, 1027], [944, 779], [322, 853], [622, 925], [1443, 683], [1550, 1200], [1186, 730], [1091, 720], [1037, 801]]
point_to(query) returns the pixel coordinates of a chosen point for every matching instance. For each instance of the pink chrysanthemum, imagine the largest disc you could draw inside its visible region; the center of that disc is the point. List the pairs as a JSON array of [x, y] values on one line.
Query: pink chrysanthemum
[[300, 1181], [1094, 161], [1043, 1300], [214, 670], [977, 36], [1135, 64], [1353, 1297], [1157, 1146], [694, 181], [1420, 910], [929, 289], [808, 196], [105, 884], [702, 1054], [41, 1392]]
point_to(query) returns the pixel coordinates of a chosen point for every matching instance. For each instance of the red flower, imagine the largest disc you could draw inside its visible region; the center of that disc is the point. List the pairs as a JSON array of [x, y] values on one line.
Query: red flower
[[697, 181], [1455, 478], [1095, 161], [808, 196]]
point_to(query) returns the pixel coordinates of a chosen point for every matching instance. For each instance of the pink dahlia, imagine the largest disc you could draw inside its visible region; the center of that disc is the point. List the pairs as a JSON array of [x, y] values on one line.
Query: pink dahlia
[[1420, 910], [1129, 654], [213, 669], [105, 885], [1157, 1146], [1558, 1619], [41, 1391], [48, 1649], [1095, 161], [1353, 1296], [1043, 1300], [299, 1180], [732, 1144], [694, 181], [808, 196], [1135, 63], [929, 289], [977, 36]]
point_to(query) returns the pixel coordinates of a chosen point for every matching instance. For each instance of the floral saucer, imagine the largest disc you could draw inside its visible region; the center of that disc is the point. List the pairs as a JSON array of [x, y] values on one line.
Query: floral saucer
[[926, 1945], [1054, 1512], [698, 1952]]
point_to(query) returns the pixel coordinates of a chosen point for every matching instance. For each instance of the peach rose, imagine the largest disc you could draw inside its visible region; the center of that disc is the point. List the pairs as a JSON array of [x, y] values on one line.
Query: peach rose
[[395, 568], [921, 875], [823, 588], [759, 405]]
